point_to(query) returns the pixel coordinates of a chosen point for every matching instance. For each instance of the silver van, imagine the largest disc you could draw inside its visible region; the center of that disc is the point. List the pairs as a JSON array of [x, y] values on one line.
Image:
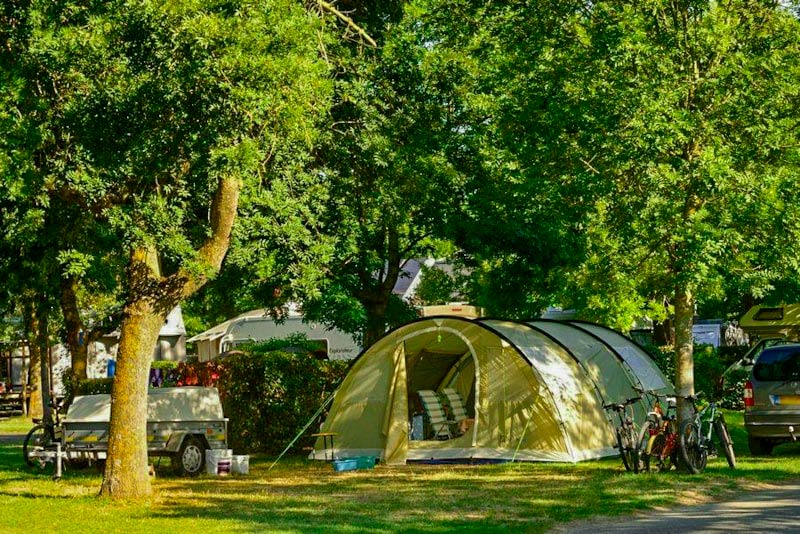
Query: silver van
[[772, 398]]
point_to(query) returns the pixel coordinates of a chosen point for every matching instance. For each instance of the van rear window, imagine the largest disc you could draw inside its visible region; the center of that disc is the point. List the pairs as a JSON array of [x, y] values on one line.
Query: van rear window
[[778, 364]]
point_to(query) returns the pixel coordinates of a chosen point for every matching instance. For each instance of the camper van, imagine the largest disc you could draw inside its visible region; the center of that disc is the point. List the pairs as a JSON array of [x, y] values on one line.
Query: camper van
[[781, 321], [256, 325]]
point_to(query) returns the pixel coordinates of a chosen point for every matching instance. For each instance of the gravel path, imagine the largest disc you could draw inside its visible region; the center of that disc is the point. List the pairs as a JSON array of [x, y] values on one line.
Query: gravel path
[[774, 510], [12, 438]]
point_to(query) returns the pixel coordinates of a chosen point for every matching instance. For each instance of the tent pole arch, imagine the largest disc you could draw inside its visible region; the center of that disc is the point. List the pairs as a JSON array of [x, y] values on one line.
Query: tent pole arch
[[406, 325], [556, 407], [580, 324], [632, 376], [576, 325], [598, 393]]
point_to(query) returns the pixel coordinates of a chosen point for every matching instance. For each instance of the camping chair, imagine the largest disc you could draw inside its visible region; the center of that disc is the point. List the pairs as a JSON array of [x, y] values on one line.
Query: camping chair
[[453, 399], [457, 411], [435, 413]]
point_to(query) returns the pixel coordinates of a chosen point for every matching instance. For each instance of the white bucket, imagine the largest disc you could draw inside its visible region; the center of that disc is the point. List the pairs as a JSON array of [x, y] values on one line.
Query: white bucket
[[219, 453], [240, 464], [218, 461]]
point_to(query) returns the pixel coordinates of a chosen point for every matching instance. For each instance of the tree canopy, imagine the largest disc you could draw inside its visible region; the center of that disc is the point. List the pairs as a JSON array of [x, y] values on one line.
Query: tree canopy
[[148, 118], [621, 157], [657, 142]]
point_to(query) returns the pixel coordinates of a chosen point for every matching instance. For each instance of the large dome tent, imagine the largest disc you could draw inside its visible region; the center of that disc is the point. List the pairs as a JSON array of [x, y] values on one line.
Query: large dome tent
[[531, 391]]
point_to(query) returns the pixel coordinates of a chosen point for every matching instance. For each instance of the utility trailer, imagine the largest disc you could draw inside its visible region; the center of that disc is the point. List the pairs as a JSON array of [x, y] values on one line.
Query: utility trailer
[[182, 423]]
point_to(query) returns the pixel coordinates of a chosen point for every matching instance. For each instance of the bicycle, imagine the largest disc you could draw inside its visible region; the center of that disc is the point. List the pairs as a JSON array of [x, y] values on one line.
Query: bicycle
[[626, 433], [42, 444], [658, 439], [696, 439]]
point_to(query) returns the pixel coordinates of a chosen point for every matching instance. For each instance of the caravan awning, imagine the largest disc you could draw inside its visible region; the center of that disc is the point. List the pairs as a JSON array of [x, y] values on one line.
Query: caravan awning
[[206, 336]]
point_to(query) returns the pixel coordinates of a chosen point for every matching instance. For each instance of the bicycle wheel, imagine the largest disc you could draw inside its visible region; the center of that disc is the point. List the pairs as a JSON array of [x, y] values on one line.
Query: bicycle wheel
[[38, 439], [626, 444], [632, 448], [655, 445], [692, 451], [643, 444], [724, 437]]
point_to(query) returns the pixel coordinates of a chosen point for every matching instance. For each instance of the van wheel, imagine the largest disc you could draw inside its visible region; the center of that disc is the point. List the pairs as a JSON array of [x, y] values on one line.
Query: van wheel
[[191, 457], [759, 446]]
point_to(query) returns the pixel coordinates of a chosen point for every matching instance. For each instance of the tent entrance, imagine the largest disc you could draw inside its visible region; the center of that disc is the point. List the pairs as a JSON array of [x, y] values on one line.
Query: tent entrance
[[451, 375]]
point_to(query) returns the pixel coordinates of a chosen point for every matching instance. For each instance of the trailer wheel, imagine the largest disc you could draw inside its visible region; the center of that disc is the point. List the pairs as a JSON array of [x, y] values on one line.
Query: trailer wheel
[[191, 457]]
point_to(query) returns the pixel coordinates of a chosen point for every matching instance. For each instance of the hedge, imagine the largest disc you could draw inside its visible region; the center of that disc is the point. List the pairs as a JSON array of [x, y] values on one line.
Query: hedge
[[269, 396], [709, 365]]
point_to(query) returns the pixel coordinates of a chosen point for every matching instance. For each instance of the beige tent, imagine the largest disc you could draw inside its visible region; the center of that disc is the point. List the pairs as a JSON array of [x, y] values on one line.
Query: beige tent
[[532, 391]]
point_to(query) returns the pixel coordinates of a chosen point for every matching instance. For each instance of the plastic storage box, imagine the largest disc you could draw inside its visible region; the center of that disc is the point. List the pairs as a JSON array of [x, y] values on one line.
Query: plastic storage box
[[365, 462], [350, 464]]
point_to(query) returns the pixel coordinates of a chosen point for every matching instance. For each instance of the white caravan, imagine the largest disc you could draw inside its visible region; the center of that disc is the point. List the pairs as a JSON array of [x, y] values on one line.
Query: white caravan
[[256, 325]]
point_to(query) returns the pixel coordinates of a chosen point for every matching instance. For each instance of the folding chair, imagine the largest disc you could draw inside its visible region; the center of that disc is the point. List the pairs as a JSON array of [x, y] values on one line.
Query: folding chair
[[453, 399], [435, 413]]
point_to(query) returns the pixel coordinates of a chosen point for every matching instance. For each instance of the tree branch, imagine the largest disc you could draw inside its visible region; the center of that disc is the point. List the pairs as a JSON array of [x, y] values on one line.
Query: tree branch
[[327, 6], [223, 214]]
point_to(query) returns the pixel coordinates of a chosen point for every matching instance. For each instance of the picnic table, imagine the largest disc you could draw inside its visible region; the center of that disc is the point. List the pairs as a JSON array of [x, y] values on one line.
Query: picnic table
[[12, 402]]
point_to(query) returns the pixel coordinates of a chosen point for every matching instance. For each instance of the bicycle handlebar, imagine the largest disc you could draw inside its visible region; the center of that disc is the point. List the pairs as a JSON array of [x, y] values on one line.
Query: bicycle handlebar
[[652, 392], [619, 406]]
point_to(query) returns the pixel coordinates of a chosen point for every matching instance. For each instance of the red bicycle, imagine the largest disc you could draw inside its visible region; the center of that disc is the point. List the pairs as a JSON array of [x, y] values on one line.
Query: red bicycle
[[658, 437]]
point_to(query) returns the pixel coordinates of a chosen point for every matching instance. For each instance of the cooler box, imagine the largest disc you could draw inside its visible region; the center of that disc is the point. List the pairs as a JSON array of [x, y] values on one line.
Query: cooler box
[[350, 464]]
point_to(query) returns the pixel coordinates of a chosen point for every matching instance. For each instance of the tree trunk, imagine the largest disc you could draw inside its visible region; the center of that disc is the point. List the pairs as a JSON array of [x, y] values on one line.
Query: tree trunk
[[684, 351], [43, 342], [151, 297], [376, 321], [76, 334], [376, 302], [126, 474], [663, 333], [31, 318]]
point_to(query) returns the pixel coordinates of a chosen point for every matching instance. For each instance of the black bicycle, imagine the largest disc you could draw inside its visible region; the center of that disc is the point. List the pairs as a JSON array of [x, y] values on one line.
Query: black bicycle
[[696, 437], [39, 448], [626, 433]]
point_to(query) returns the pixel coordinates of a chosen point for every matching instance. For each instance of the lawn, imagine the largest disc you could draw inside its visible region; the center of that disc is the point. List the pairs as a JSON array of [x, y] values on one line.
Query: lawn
[[302, 496]]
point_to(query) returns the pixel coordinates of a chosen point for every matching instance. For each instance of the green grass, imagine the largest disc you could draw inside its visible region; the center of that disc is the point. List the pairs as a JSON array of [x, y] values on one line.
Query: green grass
[[302, 496], [15, 425]]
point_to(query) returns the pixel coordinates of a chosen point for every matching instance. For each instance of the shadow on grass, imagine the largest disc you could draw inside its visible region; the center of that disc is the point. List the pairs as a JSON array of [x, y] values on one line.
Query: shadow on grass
[[518, 498], [299, 495]]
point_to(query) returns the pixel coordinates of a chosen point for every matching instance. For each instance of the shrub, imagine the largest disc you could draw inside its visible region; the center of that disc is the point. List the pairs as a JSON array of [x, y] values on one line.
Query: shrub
[[269, 396], [709, 365], [89, 386], [163, 374]]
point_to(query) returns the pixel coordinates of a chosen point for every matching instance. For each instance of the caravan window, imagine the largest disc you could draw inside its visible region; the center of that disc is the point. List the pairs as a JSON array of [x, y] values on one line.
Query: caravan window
[[769, 314]]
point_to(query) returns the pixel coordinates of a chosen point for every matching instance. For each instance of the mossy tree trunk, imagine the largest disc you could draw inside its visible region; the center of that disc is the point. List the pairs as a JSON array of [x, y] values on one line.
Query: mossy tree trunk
[[126, 474], [39, 368], [78, 348], [151, 298], [684, 351]]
